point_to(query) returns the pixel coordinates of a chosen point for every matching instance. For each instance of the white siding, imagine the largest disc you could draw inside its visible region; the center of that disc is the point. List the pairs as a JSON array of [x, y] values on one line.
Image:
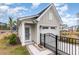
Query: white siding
[[44, 21], [34, 33], [35, 28], [21, 34]]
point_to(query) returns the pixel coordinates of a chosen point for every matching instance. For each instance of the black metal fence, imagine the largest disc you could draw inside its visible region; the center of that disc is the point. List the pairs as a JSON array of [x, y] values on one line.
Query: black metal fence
[[60, 45]]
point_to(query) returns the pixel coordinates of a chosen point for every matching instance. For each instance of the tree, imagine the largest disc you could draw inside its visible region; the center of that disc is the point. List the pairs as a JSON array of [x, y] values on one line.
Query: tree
[[12, 23], [4, 27], [17, 25], [0, 27]]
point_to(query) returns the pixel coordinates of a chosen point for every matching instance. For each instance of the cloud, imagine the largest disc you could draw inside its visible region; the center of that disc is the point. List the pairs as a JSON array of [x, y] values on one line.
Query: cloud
[[6, 11], [63, 10], [1, 15], [35, 5], [4, 8], [59, 4], [17, 9], [6, 4], [67, 18], [70, 21]]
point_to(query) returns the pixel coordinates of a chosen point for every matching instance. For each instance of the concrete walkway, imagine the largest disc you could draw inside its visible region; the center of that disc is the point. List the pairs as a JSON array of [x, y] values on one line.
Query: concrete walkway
[[35, 51]]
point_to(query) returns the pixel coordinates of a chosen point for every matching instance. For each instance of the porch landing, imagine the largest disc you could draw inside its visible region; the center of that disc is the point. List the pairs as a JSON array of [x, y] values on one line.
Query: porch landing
[[35, 50]]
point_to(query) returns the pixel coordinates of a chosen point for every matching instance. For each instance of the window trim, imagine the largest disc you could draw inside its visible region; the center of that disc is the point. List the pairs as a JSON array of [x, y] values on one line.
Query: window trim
[[53, 27], [42, 27], [45, 27]]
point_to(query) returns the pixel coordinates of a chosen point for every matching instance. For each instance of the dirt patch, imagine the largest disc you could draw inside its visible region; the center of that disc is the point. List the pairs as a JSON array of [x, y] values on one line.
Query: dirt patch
[[4, 52], [12, 50], [4, 35]]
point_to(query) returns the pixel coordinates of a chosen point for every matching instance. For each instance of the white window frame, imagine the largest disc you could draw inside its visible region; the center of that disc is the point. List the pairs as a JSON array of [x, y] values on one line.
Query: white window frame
[[28, 26], [53, 28], [45, 27], [42, 27]]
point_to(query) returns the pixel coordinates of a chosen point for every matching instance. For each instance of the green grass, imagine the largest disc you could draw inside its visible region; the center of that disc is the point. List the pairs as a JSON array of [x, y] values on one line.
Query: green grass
[[6, 49], [19, 50]]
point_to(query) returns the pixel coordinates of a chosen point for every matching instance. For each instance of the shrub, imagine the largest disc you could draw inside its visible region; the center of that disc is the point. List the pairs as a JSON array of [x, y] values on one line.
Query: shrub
[[12, 39]]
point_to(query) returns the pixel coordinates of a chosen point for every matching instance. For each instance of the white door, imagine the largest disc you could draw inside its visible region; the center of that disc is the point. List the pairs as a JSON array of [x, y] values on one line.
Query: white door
[[27, 33]]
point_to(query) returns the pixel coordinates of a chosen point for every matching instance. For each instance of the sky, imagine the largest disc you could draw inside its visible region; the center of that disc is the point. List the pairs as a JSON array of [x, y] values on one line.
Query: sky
[[67, 11]]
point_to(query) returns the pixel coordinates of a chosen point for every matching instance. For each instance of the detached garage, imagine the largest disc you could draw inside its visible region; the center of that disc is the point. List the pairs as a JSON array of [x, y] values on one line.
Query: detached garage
[[47, 21]]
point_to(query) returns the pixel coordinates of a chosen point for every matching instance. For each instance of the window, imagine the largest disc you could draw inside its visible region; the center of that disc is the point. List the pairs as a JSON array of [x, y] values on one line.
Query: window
[[45, 27], [53, 27], [50, 16]]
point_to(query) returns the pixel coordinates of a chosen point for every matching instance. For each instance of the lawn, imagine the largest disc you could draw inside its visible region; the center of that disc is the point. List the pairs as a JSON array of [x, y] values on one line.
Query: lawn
[[6, 49]]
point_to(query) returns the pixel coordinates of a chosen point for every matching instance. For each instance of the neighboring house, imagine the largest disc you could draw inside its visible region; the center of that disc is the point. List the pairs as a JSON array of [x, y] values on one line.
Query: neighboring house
[[47, 21], [73, 28], [76, 28]]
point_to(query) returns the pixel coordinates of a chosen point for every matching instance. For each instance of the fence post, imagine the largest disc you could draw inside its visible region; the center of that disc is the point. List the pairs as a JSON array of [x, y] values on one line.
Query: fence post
[[44, 39], [56, 44]]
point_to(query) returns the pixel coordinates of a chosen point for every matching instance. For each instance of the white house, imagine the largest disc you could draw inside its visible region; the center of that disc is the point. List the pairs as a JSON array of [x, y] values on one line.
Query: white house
[[47, 21]]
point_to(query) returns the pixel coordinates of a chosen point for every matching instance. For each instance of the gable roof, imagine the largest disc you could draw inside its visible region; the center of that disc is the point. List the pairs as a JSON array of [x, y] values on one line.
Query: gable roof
[[40, 14], [34, 16], [29, 17], [55, 13]]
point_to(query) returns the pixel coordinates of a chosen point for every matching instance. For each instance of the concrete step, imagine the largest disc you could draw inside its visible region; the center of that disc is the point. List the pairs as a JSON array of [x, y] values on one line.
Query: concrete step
[[29, 42], [35, 51]]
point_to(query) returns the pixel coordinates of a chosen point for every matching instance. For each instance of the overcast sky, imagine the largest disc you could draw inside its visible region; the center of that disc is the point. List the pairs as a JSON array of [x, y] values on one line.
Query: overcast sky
[[66, 11]]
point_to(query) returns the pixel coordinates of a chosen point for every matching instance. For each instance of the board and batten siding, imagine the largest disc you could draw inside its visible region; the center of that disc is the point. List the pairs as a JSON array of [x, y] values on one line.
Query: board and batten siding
[[34, 33], [44, 21]]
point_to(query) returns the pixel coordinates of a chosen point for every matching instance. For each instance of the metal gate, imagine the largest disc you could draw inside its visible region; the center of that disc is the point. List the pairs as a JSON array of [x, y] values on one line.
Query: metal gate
[[49, 41], [60, 45]]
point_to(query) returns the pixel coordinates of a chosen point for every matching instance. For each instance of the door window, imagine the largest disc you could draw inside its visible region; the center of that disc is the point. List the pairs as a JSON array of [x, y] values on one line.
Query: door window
[[27, 33]]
